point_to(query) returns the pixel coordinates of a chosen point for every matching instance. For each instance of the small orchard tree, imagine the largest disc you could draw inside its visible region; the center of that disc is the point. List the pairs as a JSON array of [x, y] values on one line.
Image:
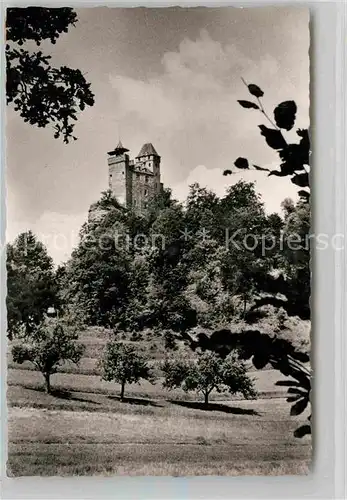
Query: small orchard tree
[[210, 372], [121, 363], [175, 370], [52, 343]]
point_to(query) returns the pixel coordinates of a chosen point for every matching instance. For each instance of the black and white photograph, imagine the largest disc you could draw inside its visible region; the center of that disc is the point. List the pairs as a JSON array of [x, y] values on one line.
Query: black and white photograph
[[158, 241]]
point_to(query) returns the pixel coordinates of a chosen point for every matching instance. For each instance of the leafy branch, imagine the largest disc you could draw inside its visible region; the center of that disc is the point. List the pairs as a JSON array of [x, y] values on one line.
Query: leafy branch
[[261, 348], [258, 93], [41, 93], [294, 156]]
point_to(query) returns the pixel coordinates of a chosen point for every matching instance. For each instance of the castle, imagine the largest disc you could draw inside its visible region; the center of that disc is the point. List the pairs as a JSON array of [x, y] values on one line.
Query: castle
[[134, 182]]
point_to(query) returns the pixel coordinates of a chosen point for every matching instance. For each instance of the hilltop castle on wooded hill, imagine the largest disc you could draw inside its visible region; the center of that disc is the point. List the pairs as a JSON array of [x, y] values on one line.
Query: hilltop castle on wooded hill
[[134, 182]]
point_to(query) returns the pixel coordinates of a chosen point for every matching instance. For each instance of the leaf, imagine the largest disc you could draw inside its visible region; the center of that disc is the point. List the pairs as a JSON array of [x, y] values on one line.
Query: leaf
[[304, 194], [227, 172], [241, 163], [305, 139], [303, 379], [262, 169], [302, 431], [284, 114], [301, 356], [294, 157], [290, 383], [301, 180], [248, 104], [295, 390], [277, 173], [273, 137], [255, 90], [291, 399], [260, 361], [299, 407]]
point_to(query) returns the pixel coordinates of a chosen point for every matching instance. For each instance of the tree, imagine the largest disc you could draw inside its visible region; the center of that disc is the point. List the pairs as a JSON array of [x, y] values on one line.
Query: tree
[[53, 342], [121, 363], [167, 308], [41, 93], [202, 211], [97, 275], [31, 284], [159, 202], [296, 258], [210, 372], [234, 227]]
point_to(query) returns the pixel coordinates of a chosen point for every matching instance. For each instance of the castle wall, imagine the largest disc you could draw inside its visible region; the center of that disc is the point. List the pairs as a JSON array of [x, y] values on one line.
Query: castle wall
[[118, 166], [129, 183], [143, 189]]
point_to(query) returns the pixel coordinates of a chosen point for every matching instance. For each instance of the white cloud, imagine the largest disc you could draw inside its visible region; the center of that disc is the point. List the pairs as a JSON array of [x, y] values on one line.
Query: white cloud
[[190, 110], [211, 179], [272, 189]]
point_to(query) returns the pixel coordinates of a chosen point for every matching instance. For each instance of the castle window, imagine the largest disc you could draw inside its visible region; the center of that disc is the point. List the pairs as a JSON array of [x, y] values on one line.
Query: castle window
[[137, 174], [145, 205], [146, 179], [123, 173], [134, 203], [146, 192]]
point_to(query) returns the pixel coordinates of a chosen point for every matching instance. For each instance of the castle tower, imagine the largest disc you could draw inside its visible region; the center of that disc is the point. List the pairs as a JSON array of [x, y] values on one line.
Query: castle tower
[[119, 174], [146, 177], [149, 158], [134, 182]]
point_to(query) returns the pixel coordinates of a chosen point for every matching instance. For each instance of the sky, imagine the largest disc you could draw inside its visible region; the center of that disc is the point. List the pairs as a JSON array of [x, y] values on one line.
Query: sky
[[170, 76]]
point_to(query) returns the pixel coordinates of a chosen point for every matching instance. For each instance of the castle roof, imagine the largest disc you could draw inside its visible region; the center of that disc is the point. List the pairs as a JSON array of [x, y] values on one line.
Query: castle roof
[[147, 150], [119, 149]]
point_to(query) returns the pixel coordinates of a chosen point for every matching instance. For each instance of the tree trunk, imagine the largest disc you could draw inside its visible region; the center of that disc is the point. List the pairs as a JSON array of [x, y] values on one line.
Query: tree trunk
[[48, 382], [122, 391], [244, 305], [206, 399]]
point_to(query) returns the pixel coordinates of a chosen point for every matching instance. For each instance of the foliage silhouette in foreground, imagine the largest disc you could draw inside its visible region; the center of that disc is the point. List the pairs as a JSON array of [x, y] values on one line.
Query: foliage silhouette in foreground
[[122, 363], [52, 343], [261, 348], [210, 372], [41, 93], [294, 157]]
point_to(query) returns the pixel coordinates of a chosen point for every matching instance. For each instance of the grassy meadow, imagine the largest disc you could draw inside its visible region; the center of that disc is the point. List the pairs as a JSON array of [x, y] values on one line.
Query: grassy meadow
[[83, 428]]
